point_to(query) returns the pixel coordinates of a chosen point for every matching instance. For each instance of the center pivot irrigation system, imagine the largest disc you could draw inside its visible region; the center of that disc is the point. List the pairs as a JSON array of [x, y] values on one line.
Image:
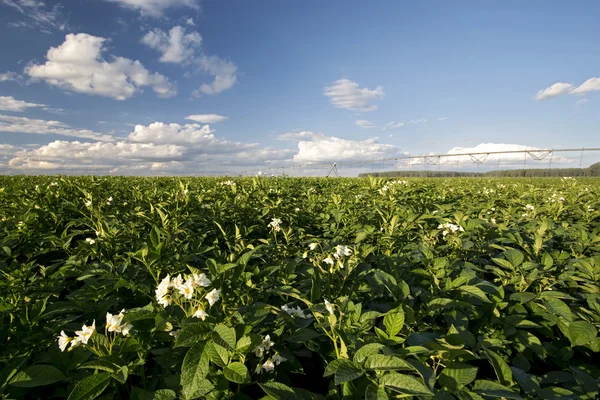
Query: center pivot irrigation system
[[423, 161]]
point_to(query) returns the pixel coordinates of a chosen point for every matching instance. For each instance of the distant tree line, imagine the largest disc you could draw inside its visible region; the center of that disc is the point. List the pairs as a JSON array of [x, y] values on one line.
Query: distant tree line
[[592, 170]]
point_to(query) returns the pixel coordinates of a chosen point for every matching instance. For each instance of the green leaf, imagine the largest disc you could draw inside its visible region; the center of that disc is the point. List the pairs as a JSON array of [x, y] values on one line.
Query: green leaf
[[474, 291], [279, 391], [405, 384], [523, 297], [365, 351], [236, 372], [502, 369], [375, 393], [90, 387], [393, 321], [162, 394], [101, 364], [493, 389], [503, 263], [456, 375], [243, 344], [224, 336], [380, 362], [303, 335], [581, 333], [194, 368], [37, 375], [526, 381], [347, 372], [191, 334], [558, 307], [515, 257], [333, 366], [217, 353]]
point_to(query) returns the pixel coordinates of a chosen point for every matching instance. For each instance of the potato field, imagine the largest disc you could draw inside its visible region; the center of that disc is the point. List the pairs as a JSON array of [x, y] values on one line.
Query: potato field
[[299, 288]]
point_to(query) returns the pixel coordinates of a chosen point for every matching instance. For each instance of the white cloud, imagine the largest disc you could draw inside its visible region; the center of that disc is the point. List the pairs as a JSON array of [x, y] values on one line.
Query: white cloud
[[297, 136], [363, 123], [43, 127], [581, 102], [176, 46], [393, 125], [442, 118], [10, 76], [206, 118], [155, 8], [190, 21], [417, 121], [200, 139], [9, 103], [156, 149], [557, 89], [77, 65], [179, 47], [345, 93], [224, 73], [39, 15], [333, 149], [591, 85]]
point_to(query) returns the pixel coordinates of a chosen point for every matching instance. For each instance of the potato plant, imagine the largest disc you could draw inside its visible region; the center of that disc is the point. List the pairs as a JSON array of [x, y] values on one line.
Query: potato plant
[[299, 288]]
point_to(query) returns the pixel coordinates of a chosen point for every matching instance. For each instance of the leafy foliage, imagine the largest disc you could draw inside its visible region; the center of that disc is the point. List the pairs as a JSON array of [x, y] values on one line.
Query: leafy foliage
[[282, 288]]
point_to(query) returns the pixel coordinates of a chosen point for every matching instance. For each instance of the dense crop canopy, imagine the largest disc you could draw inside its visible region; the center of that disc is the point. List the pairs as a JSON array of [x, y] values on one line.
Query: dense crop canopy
[[283, 288]]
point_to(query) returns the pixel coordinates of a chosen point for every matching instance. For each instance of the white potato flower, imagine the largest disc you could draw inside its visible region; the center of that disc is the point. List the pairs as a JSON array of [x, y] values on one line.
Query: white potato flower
[[63, 340], [313, 246], [213, 296], [86, 332], [277, 359], [268, 366], [274, 224], [114, 323], [329, 261], [186, 289], [200, 280], [90, 240], [200, 313]]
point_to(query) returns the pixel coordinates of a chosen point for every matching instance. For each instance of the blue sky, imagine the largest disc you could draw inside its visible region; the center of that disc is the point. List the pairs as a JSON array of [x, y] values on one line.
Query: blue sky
[[297, 82]]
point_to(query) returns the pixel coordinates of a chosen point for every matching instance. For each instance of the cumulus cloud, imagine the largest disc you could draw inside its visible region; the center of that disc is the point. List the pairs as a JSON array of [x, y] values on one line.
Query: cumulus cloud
[[591, 85], [43, 127], [224, 73], [345, 93], [175, 46], [363, 123], [333, 149], [9, 103], [38, 14], [393, 125], [155, 8], [206, 118], [9, 76], [77, 65], [297, 136], [557, 89], [200, 139], [155, 149]]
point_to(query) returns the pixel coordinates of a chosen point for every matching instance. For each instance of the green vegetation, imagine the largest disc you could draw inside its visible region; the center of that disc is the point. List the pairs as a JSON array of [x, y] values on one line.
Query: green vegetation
[[284, 288], [593, 170]]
